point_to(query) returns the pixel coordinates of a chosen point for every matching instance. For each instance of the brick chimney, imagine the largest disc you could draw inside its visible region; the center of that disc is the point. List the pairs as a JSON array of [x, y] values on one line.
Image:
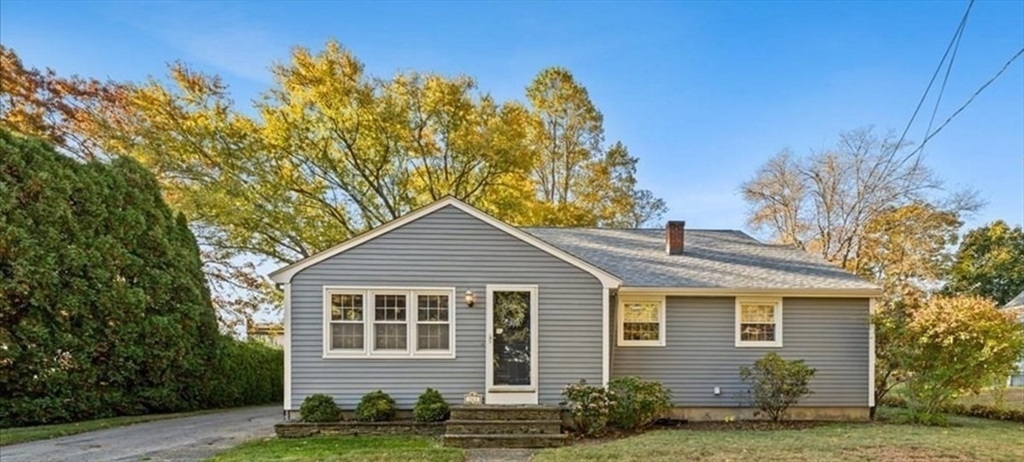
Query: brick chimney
[[674, 237]]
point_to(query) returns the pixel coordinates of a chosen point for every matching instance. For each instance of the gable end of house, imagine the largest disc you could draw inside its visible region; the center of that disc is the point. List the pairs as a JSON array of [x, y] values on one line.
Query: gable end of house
[[285, 274]]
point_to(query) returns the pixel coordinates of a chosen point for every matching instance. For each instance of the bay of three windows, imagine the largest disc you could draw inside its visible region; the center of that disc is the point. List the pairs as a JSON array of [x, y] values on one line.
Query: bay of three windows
[[389, 322]]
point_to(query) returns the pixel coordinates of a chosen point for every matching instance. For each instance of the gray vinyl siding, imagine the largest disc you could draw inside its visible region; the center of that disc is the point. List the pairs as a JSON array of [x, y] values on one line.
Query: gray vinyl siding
[[700, 352], [447, 248]]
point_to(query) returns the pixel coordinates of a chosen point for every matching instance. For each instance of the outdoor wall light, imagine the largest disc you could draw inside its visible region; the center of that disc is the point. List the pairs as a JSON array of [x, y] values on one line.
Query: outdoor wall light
[[470, 301]]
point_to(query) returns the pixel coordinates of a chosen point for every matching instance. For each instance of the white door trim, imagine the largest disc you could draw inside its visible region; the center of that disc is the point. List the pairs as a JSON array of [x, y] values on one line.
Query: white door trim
[[511, 394]]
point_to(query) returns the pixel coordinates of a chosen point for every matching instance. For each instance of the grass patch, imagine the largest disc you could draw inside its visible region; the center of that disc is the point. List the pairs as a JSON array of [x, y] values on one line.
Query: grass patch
[[1013, 398], [343, 449], [967, 439], [43, 432]]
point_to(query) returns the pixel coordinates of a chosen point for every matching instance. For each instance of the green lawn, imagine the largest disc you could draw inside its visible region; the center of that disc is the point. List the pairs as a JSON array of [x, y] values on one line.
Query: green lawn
[[42, 432], [1013, 398], [966, 439], [343, 449]]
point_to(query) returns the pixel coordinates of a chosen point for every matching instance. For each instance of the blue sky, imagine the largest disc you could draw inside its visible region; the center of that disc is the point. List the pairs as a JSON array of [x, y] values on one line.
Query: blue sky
[[703, 93]]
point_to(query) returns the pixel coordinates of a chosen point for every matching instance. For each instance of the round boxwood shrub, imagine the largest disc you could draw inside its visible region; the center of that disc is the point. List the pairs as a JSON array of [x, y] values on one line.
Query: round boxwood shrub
[[376, 406], [430, 407], [319, 408]]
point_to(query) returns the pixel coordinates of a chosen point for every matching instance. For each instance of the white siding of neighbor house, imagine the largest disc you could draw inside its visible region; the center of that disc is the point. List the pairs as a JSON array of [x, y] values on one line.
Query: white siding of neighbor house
[[1018, 379], [447, 248], [831, 334]]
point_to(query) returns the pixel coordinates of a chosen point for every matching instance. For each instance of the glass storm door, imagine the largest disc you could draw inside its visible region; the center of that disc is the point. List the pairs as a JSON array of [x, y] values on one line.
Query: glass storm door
[[511, 344]]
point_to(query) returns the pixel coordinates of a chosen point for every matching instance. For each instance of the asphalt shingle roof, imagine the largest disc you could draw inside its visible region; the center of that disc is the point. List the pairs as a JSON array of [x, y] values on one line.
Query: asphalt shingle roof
[[710, 259], [1017, 302]]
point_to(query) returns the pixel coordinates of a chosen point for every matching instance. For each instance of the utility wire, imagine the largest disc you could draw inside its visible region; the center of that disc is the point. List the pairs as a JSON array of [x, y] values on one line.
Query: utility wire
[[935, 75], [959, 36], [969, 100]]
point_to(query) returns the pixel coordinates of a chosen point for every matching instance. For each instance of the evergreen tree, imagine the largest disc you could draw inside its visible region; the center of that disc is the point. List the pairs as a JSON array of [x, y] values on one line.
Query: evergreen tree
[[104, 307]]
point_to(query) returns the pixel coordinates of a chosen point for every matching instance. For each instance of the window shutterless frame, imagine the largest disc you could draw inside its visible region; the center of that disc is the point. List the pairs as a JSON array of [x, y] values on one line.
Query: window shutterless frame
[[414, 335], [776, 303], [620, 321], [368, 351], [389, 301], [330, 322]]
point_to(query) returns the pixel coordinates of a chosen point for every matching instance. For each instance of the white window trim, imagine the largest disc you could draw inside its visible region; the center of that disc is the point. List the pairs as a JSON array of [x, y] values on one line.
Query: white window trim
[[412, 314], [777, 302], [620, 321]]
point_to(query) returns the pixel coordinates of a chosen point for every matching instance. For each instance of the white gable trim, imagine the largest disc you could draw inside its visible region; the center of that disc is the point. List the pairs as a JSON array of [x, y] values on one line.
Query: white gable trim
[[284, 275]]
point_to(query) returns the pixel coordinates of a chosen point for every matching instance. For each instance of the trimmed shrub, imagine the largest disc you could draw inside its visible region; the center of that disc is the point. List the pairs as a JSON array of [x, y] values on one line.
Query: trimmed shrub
[[246, 373], [590, 407], [430, 407], [637, 403], [319, 408], [376, 406], [776, 384]]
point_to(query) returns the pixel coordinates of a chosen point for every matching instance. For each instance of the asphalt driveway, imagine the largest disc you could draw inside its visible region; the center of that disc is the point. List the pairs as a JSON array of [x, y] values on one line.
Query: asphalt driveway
[[183, 439]]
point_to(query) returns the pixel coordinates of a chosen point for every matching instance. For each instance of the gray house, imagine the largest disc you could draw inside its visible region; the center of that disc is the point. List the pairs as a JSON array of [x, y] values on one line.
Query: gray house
[[451, 298], [1017, 305]]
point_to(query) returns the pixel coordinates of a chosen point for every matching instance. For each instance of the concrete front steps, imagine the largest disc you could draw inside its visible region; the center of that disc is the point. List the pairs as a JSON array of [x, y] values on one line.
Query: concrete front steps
[[483, 426]]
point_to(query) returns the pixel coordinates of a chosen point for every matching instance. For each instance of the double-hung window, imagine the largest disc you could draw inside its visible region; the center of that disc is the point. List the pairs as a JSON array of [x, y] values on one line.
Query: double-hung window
[[346, 327], [758, 322], [389, 322], [433, 322], [641, 321]]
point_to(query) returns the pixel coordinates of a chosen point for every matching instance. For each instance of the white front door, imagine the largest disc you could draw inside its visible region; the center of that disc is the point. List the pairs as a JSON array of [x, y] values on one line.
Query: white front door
[[511, 344]]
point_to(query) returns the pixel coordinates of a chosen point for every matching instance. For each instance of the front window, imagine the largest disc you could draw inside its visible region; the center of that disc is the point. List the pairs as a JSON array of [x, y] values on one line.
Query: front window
[[641, 322], [389, 322], [759, 323]]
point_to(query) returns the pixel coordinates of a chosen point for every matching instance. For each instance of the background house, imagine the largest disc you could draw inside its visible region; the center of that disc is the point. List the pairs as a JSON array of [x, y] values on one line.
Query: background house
[[1017, 305], [270, 333]]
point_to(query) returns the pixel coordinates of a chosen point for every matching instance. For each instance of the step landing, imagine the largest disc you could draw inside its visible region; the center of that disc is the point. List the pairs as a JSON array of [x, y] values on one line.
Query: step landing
[[498, 412], [505, 426]]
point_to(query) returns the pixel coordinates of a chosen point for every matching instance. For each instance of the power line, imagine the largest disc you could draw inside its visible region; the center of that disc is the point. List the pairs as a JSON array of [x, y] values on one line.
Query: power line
[[959, 36], [969, 100], [959, 31]]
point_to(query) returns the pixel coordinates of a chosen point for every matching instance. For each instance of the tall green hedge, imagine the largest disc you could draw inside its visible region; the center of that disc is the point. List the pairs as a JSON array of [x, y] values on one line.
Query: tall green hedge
[[104, 308], [249, 372]]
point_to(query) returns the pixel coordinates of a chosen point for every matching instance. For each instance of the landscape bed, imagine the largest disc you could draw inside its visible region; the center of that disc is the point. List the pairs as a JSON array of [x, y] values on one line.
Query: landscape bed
[[353, 428]]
